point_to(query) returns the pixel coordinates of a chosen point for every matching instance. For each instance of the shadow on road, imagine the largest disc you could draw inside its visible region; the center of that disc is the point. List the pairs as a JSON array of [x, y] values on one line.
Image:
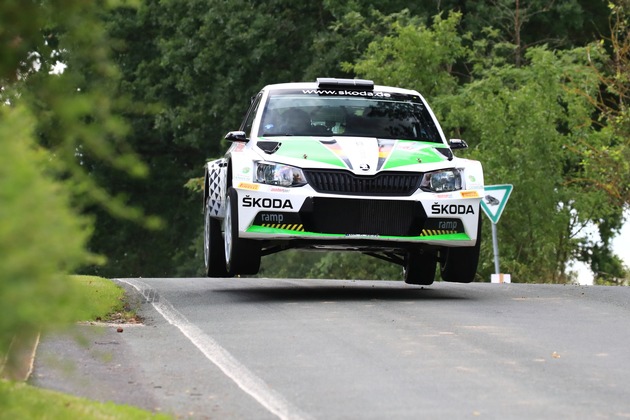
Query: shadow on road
[[340, 293]]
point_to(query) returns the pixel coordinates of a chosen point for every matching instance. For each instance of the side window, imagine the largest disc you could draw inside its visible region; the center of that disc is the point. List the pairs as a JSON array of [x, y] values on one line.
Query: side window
[[251, 114]]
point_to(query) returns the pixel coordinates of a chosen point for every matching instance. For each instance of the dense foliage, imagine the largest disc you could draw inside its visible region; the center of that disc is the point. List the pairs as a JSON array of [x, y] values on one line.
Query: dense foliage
[[538, 88], [521, 81], [35, 219], [51, 126]]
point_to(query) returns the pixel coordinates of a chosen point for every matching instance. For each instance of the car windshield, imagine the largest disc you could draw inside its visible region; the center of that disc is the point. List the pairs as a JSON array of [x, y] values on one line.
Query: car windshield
[[357, 114]]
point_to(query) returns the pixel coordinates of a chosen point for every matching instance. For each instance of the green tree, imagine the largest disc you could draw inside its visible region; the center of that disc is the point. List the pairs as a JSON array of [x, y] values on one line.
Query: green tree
[[414, 54], [51, 126], [606, 163], [201, 61], [522, 121], [77, 112], [36, 217], [527, 23]]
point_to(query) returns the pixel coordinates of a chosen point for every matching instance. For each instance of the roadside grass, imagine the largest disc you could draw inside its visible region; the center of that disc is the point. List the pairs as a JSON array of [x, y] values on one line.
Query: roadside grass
[[106, 301], [103, 301], [21, 401]]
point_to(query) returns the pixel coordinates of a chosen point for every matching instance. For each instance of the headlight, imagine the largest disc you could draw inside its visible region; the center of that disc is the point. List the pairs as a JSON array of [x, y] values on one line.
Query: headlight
[[276, 174], [442, 181]]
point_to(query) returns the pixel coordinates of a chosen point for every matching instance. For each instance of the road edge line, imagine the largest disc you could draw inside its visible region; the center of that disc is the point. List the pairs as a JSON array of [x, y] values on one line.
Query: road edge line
[[220, 357]]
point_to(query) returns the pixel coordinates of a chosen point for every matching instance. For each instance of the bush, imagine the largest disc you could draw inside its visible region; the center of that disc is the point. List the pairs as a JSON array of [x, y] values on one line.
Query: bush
[[42, 238]]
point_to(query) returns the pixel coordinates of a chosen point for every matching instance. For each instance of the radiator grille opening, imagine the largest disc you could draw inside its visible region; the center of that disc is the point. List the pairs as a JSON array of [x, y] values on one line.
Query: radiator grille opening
[[343, 182], [363, 217]]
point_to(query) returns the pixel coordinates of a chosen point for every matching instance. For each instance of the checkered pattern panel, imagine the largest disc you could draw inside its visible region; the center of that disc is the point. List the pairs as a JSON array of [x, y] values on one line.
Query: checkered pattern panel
[[216, 186]]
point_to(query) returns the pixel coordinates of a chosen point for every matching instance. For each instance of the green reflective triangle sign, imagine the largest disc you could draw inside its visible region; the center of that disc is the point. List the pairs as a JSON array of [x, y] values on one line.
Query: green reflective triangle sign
[[494, 199]]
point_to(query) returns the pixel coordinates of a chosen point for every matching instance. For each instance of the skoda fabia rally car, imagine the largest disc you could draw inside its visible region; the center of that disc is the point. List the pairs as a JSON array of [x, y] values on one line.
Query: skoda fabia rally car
[[342, 164]]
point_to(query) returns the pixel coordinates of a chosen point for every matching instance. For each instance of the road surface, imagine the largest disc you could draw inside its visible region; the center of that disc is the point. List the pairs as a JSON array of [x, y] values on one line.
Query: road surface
[[337, 349]]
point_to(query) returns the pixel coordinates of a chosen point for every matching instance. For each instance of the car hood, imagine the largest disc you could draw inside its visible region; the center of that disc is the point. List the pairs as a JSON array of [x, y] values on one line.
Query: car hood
[[361, 155]]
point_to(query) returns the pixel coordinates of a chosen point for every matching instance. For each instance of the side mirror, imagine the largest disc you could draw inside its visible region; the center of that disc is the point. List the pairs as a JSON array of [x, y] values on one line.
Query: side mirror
[[236, 136], [457, 144]]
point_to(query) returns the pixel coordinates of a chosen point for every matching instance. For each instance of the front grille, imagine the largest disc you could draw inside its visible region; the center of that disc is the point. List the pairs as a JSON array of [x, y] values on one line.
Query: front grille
[[363, 217], [343, 182]]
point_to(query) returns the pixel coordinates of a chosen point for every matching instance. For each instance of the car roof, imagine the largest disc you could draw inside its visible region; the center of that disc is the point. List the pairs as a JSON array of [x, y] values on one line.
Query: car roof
[[314, 85]]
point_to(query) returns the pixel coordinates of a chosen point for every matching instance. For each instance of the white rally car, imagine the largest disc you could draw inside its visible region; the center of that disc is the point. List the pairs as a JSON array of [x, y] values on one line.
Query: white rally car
[[342, 164]]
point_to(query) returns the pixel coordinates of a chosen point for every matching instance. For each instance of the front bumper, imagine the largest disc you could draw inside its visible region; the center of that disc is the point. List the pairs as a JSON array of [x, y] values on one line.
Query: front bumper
[[273, 213]]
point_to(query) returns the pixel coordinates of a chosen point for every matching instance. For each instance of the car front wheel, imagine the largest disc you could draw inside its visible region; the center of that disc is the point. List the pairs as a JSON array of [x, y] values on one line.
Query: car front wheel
[[242, 256]]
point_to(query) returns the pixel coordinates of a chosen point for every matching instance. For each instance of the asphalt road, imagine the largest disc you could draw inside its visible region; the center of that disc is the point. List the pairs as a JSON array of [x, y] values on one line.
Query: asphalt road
[[334, 349]]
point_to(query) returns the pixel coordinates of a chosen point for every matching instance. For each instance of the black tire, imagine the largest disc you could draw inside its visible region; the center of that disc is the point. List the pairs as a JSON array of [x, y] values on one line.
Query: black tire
[[213, 248], [242, 256], [460, 264], [419, 268]]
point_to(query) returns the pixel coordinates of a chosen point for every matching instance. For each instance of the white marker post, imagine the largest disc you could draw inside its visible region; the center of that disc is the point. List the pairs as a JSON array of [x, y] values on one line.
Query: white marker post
[[493, 203]]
